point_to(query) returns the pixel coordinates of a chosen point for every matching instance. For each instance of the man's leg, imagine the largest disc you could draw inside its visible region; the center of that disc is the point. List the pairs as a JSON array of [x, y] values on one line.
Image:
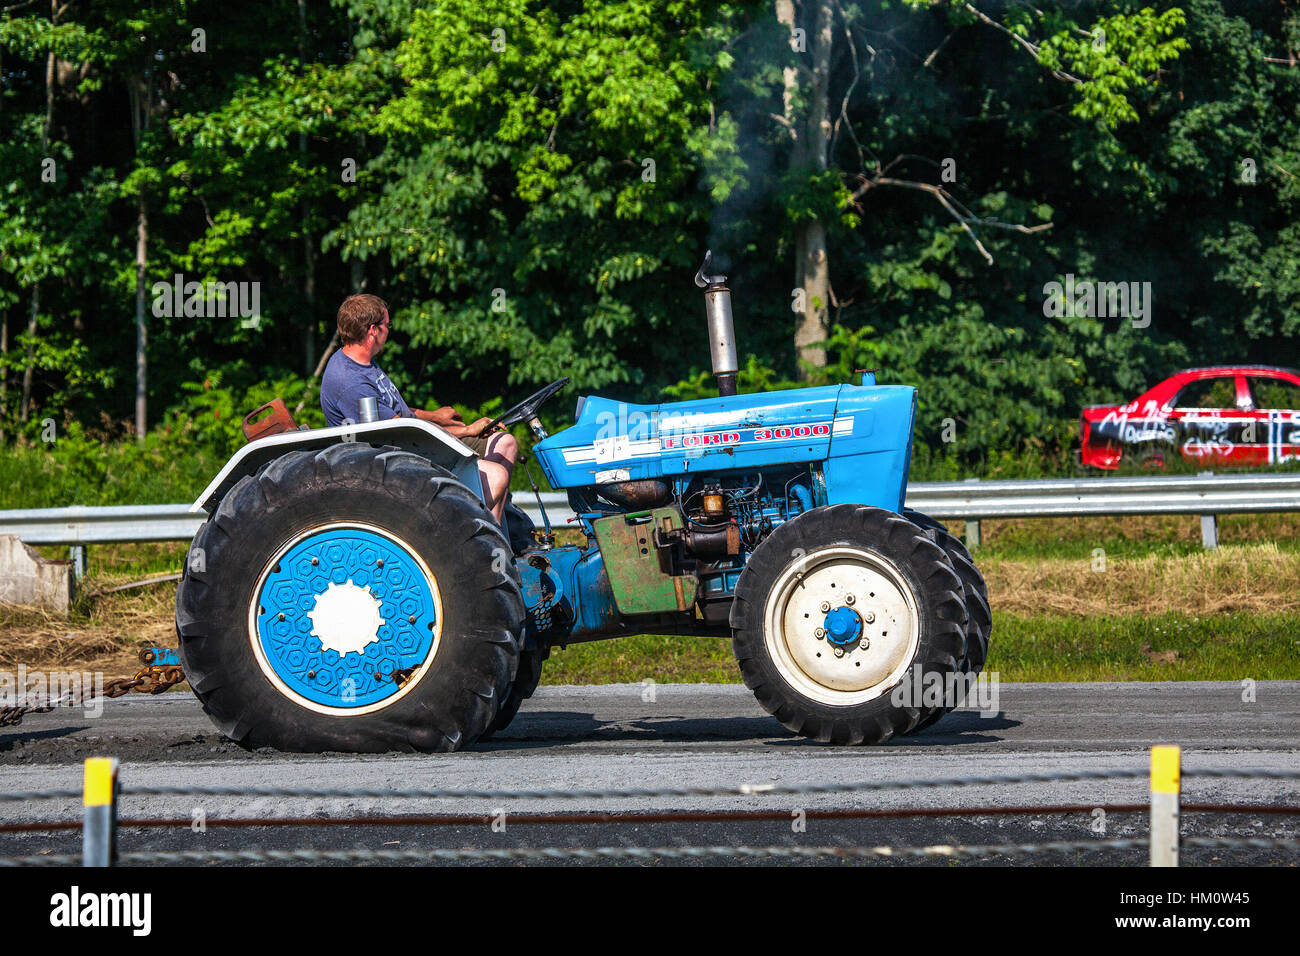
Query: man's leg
[[494, 467]]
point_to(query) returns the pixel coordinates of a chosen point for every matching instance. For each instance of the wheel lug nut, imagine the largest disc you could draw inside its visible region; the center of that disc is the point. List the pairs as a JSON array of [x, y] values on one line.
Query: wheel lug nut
[[869, 617], [839, 652], [826, 606], [849, 599], [864, 644], [819, 633]]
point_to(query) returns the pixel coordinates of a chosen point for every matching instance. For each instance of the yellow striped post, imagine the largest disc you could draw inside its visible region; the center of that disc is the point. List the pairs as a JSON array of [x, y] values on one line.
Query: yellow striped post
[[1164, 805], [99, 812]]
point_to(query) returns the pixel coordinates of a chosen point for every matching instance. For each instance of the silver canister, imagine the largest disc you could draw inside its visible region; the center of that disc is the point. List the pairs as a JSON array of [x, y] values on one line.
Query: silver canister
[[368, 409]]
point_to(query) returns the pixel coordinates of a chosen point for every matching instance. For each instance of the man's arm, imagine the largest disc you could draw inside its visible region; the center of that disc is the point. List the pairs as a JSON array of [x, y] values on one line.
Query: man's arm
[[440, 416], [448, 419]]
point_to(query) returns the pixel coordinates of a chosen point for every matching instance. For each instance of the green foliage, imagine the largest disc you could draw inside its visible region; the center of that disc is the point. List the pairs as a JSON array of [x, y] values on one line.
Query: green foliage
[[105, 468], [211, 416], [504, 206]]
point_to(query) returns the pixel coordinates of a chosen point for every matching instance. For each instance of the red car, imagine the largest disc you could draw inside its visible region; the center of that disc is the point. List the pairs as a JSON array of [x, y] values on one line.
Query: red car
[[1228, 414]]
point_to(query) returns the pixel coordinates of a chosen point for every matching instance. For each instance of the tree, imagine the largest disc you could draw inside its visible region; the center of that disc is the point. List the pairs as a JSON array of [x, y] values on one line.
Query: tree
[[1117, 55], [535, 196]]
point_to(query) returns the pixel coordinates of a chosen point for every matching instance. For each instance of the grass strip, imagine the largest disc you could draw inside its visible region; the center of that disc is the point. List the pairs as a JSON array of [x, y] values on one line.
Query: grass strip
[[1029, 648]]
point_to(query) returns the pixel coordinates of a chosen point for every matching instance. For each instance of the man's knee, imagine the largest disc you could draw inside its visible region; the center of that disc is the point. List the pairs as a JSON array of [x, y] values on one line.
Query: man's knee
[[502, 449], [494, 473]]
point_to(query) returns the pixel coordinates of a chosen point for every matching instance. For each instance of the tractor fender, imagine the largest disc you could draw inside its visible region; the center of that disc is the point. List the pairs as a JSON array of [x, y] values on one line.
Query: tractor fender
[[410, 434]]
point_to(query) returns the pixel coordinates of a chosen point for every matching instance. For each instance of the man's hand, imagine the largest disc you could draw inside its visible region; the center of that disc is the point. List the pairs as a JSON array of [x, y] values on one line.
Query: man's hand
[[460, 430], [445, 416], [477, 428]]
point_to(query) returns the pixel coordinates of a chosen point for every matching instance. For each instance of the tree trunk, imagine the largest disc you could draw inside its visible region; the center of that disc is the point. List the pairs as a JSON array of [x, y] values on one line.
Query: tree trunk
[[809, 84], [4, 374], [141, 366], [813, 276], [308, 240], [29, 365], [141, 94], [25, 402]]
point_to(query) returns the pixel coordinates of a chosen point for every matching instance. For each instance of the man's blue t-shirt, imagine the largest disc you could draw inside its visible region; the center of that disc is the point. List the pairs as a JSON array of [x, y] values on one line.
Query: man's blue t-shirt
[[347, 380]]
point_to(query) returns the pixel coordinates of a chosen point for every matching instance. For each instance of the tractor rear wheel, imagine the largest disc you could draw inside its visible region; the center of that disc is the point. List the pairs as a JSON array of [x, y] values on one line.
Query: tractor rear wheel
[[524, 685], [979, 619], [350, 599], [840, 616]]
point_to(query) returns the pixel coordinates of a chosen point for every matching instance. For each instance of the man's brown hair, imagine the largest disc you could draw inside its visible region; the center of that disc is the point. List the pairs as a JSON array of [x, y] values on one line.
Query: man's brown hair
[[357, 314]]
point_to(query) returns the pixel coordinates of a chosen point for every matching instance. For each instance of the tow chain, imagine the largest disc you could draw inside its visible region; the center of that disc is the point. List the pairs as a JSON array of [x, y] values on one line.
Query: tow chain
[[161, 671]]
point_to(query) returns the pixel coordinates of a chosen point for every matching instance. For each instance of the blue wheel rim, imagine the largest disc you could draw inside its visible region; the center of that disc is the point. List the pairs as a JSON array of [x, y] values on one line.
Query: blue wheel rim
[[339, 612]]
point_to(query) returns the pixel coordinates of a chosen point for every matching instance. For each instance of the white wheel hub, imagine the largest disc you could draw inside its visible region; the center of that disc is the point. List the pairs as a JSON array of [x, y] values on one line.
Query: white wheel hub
[[851, 582], [346, 618]]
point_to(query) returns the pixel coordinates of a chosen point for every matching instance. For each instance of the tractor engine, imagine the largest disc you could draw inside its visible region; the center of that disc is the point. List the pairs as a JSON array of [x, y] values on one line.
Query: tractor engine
[[698, 529], [724, 518]]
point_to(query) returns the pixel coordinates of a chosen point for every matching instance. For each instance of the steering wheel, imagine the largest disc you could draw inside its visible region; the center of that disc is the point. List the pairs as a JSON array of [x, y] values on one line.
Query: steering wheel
[[527, 408]]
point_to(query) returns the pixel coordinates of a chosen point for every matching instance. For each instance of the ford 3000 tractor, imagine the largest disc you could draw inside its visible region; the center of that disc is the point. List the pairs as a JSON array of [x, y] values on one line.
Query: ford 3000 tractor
[[349, 590]]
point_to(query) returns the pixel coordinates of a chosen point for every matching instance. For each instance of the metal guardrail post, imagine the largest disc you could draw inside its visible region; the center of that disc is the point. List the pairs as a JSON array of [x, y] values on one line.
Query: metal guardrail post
[[1209, 531], [99, 820], [1164, 806], [972, 535], [79, 559]]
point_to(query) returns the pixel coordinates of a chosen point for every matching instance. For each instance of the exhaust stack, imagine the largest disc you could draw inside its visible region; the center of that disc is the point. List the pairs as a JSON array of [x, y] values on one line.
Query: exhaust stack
[[722, 330]]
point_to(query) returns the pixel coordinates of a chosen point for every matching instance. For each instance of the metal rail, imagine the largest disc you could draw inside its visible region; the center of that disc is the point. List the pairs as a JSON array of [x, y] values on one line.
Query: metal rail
[[1205, 494]]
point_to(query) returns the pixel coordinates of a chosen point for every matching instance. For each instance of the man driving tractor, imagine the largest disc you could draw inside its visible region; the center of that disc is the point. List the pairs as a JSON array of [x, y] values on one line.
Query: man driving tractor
[[351, 375]]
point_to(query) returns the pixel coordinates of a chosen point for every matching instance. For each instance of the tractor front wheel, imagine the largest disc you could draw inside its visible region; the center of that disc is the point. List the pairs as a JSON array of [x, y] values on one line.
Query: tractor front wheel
[[843, 618]]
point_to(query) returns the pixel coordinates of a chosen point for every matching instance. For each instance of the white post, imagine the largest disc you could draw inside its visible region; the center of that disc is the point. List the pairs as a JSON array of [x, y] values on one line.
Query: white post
[[1209, 531], [99, 820], [1164, 806]]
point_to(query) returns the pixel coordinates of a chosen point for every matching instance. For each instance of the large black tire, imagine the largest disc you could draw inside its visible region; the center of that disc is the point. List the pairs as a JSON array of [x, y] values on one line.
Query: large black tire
[[979, 618], [446, 702], [524, 685], [819, 555]]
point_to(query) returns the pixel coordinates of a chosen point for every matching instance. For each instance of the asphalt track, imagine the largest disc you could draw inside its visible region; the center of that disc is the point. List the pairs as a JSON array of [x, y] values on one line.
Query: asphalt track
[[679, 736]]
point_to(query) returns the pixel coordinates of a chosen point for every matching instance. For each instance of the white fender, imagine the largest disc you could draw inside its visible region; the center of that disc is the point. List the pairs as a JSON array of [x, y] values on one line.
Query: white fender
[[410, 434]]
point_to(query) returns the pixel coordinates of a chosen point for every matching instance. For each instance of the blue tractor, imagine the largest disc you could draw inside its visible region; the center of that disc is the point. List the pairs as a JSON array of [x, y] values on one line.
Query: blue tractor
[[349, 591]]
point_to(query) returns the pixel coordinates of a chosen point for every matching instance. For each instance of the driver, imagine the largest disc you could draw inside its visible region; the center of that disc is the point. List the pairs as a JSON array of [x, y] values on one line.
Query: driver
[[351, 375]]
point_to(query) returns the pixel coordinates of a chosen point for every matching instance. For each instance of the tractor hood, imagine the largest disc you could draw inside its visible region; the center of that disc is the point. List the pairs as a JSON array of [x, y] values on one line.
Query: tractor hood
[[616, 441]]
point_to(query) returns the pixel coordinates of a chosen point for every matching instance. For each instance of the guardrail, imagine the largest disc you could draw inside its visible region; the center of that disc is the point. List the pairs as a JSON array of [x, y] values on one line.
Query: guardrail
[[1206, 494]]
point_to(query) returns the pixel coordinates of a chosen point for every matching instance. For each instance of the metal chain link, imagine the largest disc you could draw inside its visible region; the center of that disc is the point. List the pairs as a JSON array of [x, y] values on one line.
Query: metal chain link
[[648, 854], [151, 679], [580, 853]]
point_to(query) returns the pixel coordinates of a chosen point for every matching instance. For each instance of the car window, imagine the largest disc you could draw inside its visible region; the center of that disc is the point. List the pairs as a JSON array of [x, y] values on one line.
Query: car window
[[1274, 393], [1208, 393]]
